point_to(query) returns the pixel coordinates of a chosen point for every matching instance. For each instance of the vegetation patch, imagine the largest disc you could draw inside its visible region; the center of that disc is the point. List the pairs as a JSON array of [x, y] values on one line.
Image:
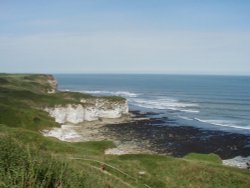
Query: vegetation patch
[[211, 158], [21, 166]]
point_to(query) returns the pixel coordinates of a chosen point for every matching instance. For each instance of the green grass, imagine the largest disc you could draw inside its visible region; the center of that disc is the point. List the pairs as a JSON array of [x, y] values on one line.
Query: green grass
[[160, 171], [210, 158], [21, 166], [28, 159], [24, 117]]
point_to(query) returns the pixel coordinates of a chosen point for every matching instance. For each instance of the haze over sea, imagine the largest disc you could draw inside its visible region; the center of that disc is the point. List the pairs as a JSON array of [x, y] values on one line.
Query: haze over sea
[[210, 102]]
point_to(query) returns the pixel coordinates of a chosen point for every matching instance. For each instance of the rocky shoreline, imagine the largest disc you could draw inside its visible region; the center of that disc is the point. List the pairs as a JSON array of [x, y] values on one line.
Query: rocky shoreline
[[144, 133], [179, 140]]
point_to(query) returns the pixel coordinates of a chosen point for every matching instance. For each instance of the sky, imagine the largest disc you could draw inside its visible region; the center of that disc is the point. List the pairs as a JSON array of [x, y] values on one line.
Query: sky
[[125, 36]]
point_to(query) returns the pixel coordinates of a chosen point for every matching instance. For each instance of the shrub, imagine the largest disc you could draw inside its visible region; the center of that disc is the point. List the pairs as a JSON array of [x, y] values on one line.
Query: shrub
[[26, 167]]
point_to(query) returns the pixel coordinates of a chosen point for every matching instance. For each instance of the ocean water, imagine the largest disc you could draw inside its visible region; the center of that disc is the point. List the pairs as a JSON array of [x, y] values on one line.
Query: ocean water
[[209, 102]]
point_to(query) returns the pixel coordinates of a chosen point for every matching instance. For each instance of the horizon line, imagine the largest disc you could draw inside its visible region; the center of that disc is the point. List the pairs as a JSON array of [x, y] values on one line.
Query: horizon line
[[132, 73]]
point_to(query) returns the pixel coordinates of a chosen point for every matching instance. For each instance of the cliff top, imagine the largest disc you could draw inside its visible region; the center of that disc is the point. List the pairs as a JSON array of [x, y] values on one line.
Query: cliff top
[[23, 95], [44, 84], [39, 83]]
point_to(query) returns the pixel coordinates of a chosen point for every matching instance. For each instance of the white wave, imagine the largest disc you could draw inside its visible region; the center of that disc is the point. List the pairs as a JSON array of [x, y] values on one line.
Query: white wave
[[223, 123], [117, 93], [165, 103], [186, 118], [191, 111], [64, 90], [125, 93], [92, 92]]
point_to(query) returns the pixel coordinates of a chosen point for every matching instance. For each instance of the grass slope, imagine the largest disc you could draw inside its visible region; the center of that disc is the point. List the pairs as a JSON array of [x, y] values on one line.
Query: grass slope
[[27, 159]]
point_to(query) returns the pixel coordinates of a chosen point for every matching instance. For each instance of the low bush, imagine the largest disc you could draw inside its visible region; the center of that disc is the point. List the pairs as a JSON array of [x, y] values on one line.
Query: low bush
[[25, 167]]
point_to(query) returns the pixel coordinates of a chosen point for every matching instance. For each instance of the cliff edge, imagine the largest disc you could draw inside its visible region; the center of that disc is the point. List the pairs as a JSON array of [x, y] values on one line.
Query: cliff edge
[[33, 98]]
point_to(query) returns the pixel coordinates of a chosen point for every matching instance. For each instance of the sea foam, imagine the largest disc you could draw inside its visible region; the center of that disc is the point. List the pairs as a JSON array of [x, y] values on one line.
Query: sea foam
[[223, 123], [117, 93], [166, 104]]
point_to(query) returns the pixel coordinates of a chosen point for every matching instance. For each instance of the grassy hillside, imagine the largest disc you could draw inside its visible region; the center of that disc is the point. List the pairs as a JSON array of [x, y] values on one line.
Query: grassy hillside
[[27, 159]]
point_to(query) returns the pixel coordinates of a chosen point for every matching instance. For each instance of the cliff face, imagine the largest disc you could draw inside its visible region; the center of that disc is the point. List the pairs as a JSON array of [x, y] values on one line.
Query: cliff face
[[84, 108], [52, 83], [77, 113]]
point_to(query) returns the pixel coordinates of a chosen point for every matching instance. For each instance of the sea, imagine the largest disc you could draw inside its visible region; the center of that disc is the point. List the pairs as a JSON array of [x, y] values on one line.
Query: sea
[[203, 101]]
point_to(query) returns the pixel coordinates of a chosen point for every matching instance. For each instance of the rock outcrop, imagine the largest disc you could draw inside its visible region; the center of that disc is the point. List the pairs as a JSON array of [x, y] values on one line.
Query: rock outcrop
[[77, 113]]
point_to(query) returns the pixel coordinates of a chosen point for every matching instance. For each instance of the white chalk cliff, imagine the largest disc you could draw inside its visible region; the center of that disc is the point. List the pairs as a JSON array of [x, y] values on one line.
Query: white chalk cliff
[[77, 113], [87, 109]]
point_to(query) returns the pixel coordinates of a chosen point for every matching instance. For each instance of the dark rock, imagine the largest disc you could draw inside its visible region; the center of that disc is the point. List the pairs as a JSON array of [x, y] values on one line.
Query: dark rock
[[180, 140]]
